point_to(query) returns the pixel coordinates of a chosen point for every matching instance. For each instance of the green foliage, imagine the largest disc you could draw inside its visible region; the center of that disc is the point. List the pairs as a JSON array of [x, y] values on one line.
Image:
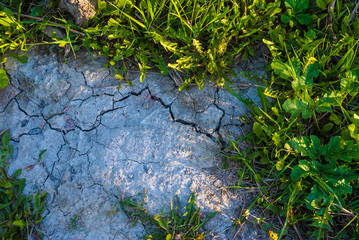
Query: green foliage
[[19, 214], [174, 225], [329, 183], [199, 38], [305, 154], [11, 33], [306, 140], [295, 13], [4, 80]]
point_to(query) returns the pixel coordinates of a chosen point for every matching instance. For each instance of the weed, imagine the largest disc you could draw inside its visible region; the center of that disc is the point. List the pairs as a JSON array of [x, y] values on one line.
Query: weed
[[173, 225], [305, 142], [200, 39], [20, 215], [73, 222]]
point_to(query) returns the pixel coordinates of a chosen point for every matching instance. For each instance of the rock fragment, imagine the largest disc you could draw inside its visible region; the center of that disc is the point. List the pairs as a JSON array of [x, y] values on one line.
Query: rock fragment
[[81, 10]]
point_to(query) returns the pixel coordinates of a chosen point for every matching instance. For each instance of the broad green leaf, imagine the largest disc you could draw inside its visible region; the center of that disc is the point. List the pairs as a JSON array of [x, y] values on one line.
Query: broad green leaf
[[301, 170], [19, 223], [22, 183], [311, 72], [297, 5], [294, 64], [297, 107], [325, 103], [282, 69], [341, 187], [323, 106], [321, 223], [288, 20], [310, 148], [338, 149], [17, 173], [304, 19], [10, 193], [350, 83], [4, 80], [338, 178], [315, 148], [300, 145], [258, 178], [311, 34], [302, 83], [315, 198]]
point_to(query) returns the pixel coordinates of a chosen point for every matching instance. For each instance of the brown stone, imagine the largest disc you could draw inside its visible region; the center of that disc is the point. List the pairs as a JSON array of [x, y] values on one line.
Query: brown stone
[[81, 10]]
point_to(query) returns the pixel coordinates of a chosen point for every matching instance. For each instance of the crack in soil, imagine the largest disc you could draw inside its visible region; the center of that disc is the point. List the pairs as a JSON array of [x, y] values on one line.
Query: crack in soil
[[215, 135]]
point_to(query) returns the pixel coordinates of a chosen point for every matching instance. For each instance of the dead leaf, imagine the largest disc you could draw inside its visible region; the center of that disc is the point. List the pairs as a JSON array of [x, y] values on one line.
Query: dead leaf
[[30, 167], [331, 6], [354, 13]]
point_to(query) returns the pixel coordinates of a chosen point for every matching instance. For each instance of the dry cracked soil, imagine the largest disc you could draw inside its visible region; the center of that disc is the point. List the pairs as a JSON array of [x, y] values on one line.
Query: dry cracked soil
[[102, 141]]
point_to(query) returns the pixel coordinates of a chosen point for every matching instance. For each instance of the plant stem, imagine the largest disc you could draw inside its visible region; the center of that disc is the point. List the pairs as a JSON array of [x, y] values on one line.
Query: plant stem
[[298, 233], [56, 24]]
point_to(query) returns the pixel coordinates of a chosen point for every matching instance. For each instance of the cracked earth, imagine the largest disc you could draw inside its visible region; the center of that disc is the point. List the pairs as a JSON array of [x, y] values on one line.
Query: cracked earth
[[102, 141]]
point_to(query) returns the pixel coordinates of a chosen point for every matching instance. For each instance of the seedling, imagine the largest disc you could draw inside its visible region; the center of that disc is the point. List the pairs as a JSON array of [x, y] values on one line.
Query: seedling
[[74, 222]]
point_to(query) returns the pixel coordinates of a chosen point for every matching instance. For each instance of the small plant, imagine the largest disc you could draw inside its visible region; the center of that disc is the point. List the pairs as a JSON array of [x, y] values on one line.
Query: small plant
[[174, 225], [74, 222], [20, 215]]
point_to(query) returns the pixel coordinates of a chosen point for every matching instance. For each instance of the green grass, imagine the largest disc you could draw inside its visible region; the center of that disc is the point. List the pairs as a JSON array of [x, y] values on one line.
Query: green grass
[[305, 142], [20, 215], [176, 224]]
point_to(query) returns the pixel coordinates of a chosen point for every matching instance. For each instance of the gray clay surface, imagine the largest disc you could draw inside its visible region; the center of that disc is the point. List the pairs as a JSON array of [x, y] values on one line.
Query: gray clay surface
[[102, 141]]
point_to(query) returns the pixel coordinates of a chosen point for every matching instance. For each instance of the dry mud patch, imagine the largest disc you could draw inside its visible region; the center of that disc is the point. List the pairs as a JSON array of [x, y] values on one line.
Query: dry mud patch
[[102, 141]]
